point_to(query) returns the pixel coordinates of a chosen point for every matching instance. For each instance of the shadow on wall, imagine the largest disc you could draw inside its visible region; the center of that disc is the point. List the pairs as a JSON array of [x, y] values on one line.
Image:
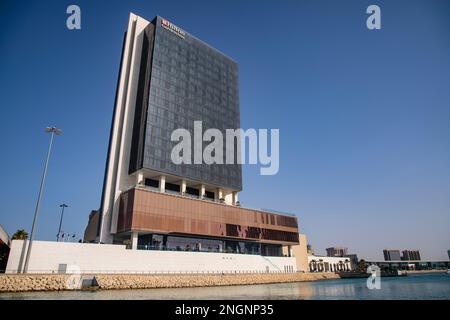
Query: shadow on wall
[[4, 253]]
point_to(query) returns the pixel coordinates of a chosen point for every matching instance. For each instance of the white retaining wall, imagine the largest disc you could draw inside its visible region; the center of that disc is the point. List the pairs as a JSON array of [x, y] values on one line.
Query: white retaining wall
[[49, 256]]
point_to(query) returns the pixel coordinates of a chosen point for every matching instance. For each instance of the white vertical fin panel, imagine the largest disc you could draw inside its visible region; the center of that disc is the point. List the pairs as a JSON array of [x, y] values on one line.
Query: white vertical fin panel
[[116, 177], [125, 181]]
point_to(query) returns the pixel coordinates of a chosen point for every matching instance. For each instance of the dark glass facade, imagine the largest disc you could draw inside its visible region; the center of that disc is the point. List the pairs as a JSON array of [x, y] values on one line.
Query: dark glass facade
[[200, 244], [183, 80]]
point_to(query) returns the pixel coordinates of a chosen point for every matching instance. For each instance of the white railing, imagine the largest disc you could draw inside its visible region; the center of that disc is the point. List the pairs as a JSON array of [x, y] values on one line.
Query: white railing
[[155, 272]]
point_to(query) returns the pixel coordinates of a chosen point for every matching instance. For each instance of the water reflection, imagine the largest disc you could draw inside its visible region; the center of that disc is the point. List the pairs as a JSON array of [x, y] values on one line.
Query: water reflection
[[335, 290]]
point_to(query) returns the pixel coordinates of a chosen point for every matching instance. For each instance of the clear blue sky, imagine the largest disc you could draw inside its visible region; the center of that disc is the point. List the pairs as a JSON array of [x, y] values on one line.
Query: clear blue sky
[[364, 116]]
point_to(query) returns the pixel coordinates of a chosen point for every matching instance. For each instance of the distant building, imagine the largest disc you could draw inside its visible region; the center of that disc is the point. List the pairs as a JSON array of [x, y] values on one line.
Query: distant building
[[328, 264], [408, 255], [336, 252], [5, 243], [4, 238], [300, 253], [411, 265], [391, 255], [90, 233], [448, 253], [353, 260]]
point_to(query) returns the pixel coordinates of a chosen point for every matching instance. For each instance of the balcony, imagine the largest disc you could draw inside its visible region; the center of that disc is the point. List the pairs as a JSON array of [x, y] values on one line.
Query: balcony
[[144, 210]]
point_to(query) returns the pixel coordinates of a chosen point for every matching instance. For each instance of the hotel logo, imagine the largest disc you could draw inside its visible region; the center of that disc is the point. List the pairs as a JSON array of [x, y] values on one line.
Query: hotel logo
[[173, 28]]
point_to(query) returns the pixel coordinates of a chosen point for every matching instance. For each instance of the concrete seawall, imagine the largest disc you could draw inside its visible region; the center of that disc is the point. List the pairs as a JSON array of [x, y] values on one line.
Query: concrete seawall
[[425, 271], [35, 282], [179, 281], [56, 282]]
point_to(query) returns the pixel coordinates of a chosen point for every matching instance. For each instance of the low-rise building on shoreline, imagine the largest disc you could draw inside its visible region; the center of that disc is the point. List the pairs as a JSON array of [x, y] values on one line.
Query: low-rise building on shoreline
[[411, 264], [93, 258], [328, 264]]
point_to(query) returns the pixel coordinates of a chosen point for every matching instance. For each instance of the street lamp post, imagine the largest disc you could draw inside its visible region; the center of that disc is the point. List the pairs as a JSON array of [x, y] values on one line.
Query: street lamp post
[[62, 206], [52, 131]]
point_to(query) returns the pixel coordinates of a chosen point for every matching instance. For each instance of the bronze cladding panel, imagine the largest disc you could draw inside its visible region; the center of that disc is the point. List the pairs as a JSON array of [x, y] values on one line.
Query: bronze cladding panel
[[150, 211]]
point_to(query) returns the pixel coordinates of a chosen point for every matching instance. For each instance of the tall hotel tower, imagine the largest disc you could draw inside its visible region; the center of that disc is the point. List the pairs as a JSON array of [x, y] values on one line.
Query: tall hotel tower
[[169, 79]]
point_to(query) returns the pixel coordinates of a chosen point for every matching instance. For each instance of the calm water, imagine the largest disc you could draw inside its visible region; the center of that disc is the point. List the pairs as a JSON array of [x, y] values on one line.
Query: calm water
[[423, 286]]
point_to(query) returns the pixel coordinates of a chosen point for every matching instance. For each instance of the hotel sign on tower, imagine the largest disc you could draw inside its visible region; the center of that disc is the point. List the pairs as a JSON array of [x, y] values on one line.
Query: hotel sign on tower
[[170, 26]]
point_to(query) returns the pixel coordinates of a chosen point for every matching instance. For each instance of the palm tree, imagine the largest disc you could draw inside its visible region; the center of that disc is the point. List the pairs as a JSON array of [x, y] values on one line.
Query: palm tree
[[20, 235], [362, 265], [127, 243]]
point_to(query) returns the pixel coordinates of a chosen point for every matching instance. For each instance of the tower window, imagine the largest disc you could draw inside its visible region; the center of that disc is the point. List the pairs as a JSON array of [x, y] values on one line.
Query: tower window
[[172, 187], [152, 183]]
